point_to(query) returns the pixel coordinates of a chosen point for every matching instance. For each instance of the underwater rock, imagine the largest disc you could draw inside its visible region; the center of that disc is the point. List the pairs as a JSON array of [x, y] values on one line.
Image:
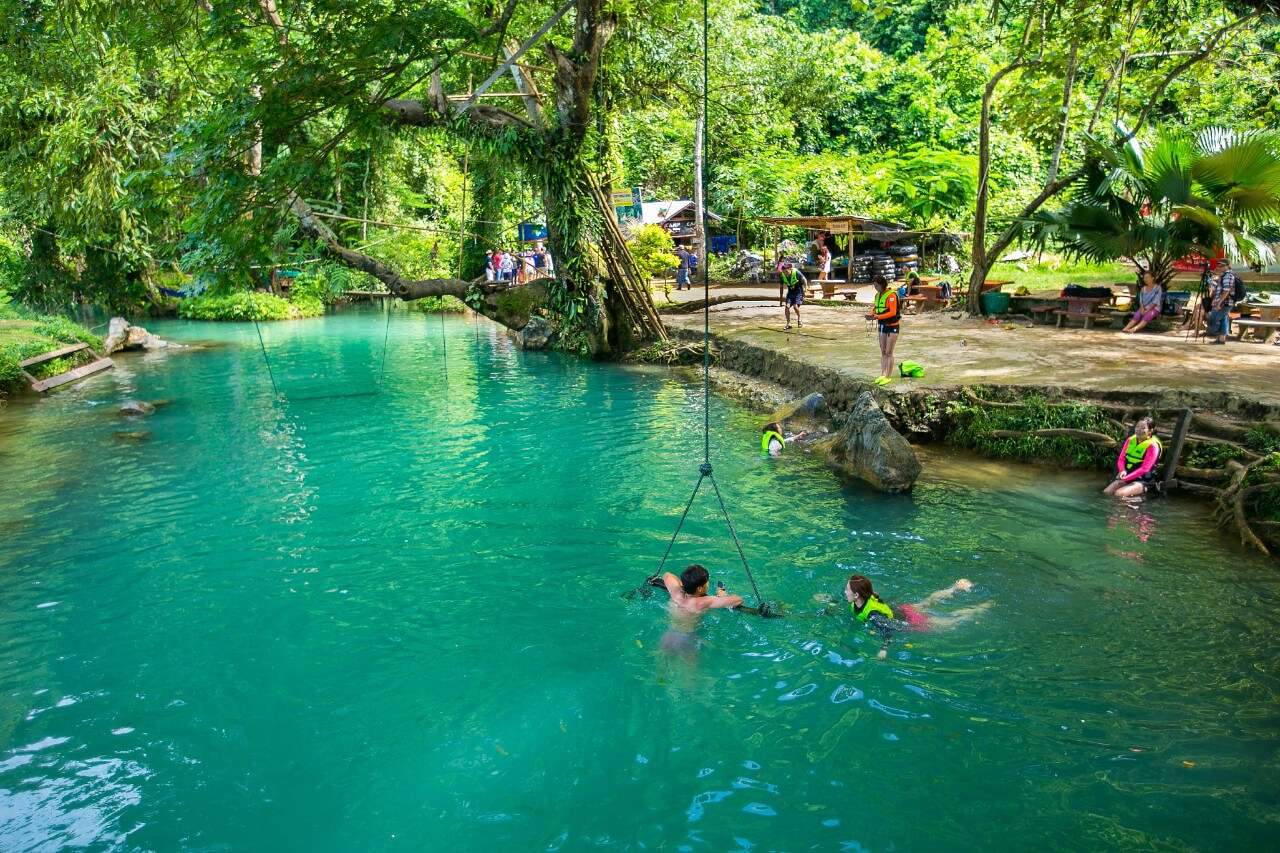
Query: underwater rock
[[136, 408], [122, 336], [536, 334], [135, 436], [868, 448]]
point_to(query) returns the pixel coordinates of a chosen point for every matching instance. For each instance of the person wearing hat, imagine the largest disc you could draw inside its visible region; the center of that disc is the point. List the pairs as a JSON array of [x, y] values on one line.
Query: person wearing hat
[[791, 285]]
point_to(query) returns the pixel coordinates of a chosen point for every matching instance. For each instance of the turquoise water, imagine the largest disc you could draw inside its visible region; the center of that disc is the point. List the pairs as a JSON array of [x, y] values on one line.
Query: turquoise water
[[394, 622]]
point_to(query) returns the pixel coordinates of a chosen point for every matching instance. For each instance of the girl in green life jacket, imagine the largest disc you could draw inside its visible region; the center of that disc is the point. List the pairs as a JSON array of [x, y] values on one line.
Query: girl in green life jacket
[[1136, 464], [773, 440], [868, 608]]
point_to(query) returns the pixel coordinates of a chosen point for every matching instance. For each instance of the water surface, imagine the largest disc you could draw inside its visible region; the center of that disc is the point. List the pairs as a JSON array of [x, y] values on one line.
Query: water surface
[[393, 621]]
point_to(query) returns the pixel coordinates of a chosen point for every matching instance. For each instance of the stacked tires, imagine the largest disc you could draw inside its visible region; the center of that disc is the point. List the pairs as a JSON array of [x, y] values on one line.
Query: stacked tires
[[871, 264], [905, 259]]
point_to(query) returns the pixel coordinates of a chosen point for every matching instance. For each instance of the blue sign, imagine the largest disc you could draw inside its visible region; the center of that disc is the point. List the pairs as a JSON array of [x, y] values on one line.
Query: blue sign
[[531, 232]]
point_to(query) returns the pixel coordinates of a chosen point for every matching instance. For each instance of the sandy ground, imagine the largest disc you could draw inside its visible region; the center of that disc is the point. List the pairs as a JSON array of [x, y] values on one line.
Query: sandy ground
[[963, 351]]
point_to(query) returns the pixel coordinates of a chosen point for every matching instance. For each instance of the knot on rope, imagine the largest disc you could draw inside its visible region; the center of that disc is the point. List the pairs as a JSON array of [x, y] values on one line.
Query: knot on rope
[[705, 469]]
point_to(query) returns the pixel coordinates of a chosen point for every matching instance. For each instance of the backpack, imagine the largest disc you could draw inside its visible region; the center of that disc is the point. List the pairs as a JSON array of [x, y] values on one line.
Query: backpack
[[1240, 293]]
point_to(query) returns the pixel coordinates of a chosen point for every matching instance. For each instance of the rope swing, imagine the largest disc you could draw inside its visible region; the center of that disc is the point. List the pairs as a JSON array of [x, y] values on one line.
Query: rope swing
[[375, 391], [704, 470]]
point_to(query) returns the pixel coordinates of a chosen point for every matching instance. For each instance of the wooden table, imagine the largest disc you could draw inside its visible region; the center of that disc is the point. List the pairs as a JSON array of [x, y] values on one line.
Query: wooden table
[[1266, 323]]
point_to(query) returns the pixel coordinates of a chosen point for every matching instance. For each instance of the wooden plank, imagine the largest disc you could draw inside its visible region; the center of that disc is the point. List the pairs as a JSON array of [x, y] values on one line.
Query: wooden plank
[[52, 354], [1175, 452], [72, 375]]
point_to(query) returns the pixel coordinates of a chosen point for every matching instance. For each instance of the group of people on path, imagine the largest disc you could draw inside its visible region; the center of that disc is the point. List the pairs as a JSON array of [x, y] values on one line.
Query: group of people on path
[[518, 267], [1220, 294]]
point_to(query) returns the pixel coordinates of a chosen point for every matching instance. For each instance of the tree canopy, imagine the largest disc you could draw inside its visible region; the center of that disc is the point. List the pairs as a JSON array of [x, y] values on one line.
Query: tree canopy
[[204, 143]]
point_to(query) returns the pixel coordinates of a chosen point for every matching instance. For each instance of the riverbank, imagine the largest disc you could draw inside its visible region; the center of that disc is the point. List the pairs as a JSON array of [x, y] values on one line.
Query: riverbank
[[994, 388]]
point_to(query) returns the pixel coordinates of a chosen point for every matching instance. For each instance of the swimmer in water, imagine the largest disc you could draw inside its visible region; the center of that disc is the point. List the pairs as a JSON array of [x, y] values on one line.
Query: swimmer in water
[[772, 440], [689, 600], [867, 607]]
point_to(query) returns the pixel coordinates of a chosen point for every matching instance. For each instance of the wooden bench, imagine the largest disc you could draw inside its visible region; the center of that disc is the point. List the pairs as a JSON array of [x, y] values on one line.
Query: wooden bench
[[1247, 324], [1081, 309], [1043, 313]]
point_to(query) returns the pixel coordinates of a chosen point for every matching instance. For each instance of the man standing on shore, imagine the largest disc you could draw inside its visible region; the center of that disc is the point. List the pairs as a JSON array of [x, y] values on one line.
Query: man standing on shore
[[791, 285]]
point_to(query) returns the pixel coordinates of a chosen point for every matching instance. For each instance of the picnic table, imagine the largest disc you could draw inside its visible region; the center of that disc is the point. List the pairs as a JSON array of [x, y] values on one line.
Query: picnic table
[[1266, 323], [1082, 308]]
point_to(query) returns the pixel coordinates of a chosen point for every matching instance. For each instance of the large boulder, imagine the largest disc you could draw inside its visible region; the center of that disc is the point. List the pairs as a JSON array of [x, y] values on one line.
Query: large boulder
[[136, 408], [536, 334], [868, 448], [122, 336]]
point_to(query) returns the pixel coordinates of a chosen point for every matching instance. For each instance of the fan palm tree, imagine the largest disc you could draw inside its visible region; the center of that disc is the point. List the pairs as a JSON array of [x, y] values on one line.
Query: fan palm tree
[[1179, 196]]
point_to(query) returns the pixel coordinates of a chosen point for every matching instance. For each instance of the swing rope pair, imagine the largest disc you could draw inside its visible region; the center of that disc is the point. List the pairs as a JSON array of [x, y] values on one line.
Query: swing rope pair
[[705, 470]]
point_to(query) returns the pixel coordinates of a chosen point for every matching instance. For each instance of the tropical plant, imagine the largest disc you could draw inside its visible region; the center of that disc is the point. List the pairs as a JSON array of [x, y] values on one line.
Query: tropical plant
[[654, 250], [1181, 195]]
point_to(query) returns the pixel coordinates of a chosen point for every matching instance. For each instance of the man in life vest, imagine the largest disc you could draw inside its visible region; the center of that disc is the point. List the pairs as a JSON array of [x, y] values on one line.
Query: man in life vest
[[791, 285], [1136, 465], [888, 315]]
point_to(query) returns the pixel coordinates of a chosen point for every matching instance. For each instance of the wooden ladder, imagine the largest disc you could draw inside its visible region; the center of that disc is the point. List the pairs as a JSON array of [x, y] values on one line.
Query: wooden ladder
[[41, 385]]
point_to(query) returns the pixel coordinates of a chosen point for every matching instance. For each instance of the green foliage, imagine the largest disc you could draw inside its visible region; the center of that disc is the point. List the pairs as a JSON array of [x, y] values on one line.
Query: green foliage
[[249, 306], [974, 424], [1177, 196], [438, 305], [1212, 454], [931, 187], [654, 251], [1263, 439]]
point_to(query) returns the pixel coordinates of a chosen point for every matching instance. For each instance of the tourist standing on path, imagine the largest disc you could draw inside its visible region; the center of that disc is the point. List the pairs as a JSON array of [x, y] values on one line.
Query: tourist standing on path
[[824, 260], [1220, 303], [791, 285], [682, 271], [888, 316], [489, 272], [1150, 298], [508, 267]]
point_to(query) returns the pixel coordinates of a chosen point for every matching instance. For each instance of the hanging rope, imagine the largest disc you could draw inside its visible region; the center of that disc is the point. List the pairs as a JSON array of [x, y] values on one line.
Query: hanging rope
[[705, 470], [382, 370]]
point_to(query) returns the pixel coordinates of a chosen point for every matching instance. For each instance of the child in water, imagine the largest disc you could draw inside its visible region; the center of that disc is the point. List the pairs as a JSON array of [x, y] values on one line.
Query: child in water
[[867, 607], [772, 440], [689, 600]]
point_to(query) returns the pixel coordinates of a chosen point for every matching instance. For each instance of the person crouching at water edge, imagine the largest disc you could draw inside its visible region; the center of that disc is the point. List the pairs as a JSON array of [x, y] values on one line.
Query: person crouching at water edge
[[772, 440], [793, 282], [888, 315], [867, 607], [689, 600], [1136, 464]]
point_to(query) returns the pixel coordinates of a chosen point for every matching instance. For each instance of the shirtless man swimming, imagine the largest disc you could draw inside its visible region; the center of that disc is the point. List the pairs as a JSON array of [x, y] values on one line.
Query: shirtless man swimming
[[689, 600]]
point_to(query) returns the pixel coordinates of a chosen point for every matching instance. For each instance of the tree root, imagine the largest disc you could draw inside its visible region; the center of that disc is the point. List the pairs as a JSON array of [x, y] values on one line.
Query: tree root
[[669, 352], [1083, 435]]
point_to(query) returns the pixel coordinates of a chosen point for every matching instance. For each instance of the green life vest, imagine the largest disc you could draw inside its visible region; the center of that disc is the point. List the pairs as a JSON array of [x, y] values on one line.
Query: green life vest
[[790, 278], [769, 436], [882, 305], [911, 368], [873, 605], [1135, 451]]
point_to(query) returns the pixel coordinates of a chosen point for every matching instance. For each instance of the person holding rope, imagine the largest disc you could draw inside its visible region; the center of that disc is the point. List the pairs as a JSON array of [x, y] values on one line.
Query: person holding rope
[[689, 600]]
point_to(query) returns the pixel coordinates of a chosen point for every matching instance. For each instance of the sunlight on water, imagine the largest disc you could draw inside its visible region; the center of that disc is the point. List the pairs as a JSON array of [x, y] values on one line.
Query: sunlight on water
[[394, 620]]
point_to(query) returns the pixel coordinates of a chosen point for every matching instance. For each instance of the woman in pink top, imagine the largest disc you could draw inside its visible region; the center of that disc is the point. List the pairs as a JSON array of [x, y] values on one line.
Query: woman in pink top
[[1136, 464]]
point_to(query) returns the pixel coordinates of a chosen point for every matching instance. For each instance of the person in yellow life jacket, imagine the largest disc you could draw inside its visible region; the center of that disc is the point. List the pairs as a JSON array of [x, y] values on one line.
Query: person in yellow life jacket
[[889, 316], [869, 609], [791, 285], [773, 440], [1136, 464]]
